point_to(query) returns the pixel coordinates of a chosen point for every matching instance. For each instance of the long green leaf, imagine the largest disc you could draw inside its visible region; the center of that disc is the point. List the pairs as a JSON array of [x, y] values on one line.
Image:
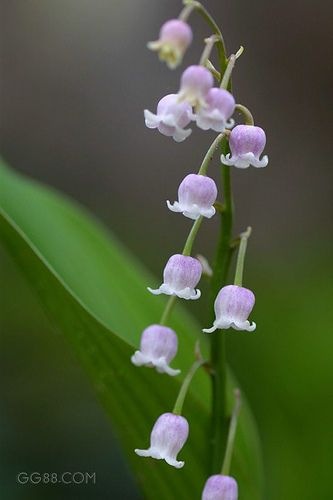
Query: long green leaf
[[95, 293]]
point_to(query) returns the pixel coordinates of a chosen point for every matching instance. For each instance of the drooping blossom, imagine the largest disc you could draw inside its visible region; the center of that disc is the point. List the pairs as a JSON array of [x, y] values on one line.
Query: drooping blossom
[[246, 142], [180, 277], [196, 197], [195, 83], [233, 306], [167, 438], [215, 114], [158, 346], [174, 39], [171, 118]]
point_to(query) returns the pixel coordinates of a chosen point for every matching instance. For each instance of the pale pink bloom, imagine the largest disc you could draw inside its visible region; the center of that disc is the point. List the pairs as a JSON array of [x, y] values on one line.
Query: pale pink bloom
[[158, 346], [167, 438], [174, 39]]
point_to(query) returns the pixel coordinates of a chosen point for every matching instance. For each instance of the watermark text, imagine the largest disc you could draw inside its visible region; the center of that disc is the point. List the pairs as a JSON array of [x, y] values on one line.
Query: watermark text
[[76, 478]]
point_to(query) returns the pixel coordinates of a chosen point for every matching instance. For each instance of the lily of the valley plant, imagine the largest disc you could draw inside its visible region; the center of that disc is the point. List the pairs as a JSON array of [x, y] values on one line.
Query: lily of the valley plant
[[203, 97]]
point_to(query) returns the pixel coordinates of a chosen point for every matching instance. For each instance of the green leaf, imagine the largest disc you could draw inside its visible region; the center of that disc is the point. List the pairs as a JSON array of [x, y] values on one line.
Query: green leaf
[[95, 293]]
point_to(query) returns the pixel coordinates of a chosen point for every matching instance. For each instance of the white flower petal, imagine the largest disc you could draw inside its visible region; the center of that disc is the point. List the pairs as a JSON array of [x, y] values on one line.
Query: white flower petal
[[157, 291], [174, 463], [202, 122], [260, 163], [191, 211], [143, 453], [226, 160], [210, 330], [163, 367], [188, 294], [175, 207], [191, 214], [155, 45], [139, 359], [246, 325], [181, 134], [210, 120], [151, 120], [208, 213], [230, 123], [244, 160]]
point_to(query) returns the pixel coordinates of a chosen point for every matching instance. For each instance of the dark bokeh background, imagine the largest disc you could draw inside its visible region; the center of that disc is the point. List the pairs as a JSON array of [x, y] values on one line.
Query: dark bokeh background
[[75, 77]]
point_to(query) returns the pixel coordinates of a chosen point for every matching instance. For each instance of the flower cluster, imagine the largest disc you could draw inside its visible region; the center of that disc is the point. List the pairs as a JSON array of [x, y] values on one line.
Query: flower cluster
[[211, 107], [197, 100]]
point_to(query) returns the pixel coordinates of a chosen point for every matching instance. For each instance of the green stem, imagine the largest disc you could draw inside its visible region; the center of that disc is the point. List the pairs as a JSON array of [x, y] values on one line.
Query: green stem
[[187, 10], [241, 257], [178, 408], [191, 237], [229, 69], [216, 74], [231, 435], [209, 155], [218, 352], [210, 42], [167, 310], [248, 117], [186, 251], [220, 45], [195, 227], [227, 74]]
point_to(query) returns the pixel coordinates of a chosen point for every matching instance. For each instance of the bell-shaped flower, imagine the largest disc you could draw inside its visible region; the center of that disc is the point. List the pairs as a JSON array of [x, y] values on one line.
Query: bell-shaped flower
[[195, 83], [167, 438], [217, 111], [174, 38], [158, 346], [246, 142], [233, 306], [196, 196], [171, 118], [180, 277], [220, 487]]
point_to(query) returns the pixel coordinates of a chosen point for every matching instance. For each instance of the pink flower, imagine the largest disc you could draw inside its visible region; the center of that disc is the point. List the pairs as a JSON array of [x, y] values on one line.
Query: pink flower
[[196, 197], [167, 438], [233, 306], [171, 118], [158, 346], [195, 83], [174, 39], [217, 111], [246, 143], [180, 277]]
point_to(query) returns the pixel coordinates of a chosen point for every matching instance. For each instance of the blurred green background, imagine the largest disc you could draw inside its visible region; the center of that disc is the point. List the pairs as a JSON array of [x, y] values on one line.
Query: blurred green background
[[75, 77]]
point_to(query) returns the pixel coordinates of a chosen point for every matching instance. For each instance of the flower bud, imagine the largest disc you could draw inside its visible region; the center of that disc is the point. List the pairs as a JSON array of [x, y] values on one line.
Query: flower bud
[[171, 118], [220, 487], [174, 39], [233, 306], [181, 275], [158, 346], [195, 83], [218, 109], [167, 438], [196, 196], [246, 143]]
